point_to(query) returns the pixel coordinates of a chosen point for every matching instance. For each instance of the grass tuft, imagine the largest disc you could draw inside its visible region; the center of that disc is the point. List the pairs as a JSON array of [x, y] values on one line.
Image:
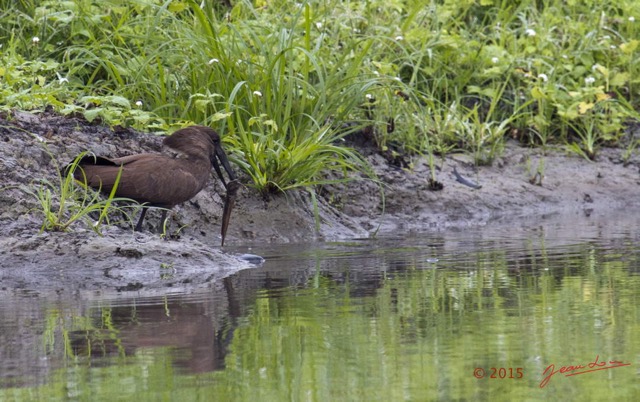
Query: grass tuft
[[66, 202]]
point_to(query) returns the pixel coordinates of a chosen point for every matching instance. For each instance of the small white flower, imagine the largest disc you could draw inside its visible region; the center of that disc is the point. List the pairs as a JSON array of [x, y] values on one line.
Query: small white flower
[[376, 73], [543, 77], [530, 32], [35, 40], [495, 60], [369, 96], [595, 67], [613, 47], [632, 19], [319, 25], [257, 93], [214, 60], [139, 103], [61, 79], [564, 56], [399, 38], [589, 80]]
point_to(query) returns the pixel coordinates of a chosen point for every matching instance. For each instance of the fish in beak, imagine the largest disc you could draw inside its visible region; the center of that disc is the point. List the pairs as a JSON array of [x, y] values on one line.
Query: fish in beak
[[229, 202], [232, 187]]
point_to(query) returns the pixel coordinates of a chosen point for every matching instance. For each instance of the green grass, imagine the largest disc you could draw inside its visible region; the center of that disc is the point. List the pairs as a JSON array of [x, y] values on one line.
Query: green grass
[[279, 78], [66, 202]]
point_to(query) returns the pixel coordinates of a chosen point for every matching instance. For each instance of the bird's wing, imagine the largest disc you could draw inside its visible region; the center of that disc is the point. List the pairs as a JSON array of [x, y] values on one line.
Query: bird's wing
[[150, 178], [88, 168]]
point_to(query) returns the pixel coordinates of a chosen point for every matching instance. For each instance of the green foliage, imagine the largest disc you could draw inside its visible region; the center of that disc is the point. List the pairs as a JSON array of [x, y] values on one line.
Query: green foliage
[[66, 202], [450, 74], [283, 101]]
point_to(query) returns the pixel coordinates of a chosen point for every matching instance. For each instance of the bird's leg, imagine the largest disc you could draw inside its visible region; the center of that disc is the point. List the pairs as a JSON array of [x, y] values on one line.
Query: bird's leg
[[140, 220]]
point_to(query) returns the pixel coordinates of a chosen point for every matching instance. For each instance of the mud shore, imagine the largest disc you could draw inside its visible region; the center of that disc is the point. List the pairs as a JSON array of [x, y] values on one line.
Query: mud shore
[[33, 147]]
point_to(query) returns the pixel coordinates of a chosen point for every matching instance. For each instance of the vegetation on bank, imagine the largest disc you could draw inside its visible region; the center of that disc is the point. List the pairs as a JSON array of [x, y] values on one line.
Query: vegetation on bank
[[67, 201], [285, 82]]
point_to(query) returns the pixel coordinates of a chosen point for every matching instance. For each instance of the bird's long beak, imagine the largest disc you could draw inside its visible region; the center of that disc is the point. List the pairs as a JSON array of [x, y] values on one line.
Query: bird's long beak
[[220, 155], [232, 188]]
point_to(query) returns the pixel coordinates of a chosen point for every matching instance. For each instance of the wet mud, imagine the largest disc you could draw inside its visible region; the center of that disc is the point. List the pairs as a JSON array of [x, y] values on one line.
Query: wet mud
[[522, 186]]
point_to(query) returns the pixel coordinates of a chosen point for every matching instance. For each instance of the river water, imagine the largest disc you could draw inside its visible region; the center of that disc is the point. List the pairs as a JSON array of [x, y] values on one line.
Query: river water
[[464, 315]]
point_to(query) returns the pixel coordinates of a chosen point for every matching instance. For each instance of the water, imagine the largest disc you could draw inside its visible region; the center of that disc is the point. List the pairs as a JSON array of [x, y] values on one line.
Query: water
[[413, 318]]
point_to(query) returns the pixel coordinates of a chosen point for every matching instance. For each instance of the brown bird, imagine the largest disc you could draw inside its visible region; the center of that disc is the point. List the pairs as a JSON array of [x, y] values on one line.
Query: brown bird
[[160, 180]]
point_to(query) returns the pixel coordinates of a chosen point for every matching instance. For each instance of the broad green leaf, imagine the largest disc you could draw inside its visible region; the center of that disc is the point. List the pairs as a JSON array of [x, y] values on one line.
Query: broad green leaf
[[177, 7], [584, 107], [537, 93], [630, 46], [620, 79], [118, 100], [202, 104], [91, 114], [602, 70], [220, 116]]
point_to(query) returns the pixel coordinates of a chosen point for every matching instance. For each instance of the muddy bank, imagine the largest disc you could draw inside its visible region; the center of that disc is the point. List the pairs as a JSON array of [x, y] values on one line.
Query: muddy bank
[[34, 146], [568, 186]]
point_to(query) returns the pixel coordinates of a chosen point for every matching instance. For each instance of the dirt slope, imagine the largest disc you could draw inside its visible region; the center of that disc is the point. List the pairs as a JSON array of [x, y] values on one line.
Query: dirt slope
[[34, 146]]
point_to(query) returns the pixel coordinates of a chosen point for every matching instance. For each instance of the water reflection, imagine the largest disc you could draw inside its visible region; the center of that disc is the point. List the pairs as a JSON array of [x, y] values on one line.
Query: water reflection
[[367, 319], [197, 339]]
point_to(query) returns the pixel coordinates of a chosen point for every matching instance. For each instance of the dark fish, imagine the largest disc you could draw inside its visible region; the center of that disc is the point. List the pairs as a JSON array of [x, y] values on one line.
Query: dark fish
[[252, 258], [465, 181]]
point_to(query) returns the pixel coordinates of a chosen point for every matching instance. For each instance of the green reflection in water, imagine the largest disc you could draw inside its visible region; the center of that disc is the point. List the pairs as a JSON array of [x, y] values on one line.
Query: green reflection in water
[[416, 333]]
